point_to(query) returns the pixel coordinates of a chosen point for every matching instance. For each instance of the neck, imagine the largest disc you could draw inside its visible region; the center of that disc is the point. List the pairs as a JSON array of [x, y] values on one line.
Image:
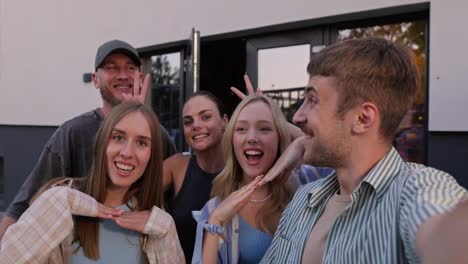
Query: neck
[[361, 161], [211, 160], [115, 196], [106, 108]]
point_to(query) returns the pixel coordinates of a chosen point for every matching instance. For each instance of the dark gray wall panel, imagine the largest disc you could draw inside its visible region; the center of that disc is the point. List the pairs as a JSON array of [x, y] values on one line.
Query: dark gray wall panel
[[20, 147], [448, 151]]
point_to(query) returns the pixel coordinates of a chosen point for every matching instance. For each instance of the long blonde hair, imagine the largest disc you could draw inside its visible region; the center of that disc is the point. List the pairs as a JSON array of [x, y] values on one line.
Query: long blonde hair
[[227, 181]]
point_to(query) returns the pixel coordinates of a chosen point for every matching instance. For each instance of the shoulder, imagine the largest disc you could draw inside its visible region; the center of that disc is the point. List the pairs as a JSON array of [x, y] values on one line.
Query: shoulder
[[79, 126], [420, 177], [306, 174], [205, 212], [426, 191], [176, 162], [177, 159], [83, 121]]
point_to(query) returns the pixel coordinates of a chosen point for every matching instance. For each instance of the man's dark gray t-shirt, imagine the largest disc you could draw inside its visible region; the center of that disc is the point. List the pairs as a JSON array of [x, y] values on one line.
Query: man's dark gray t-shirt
[[68, 153]]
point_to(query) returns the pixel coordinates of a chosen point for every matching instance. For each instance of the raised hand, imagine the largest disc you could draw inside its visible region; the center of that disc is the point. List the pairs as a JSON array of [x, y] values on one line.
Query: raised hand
[[288, 160], [134, 220], [106, 212], [140, 89], [233, 203], [249, 86]]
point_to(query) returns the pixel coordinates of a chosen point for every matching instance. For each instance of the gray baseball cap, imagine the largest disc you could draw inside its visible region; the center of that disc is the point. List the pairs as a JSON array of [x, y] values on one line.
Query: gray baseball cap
[[116, 46]]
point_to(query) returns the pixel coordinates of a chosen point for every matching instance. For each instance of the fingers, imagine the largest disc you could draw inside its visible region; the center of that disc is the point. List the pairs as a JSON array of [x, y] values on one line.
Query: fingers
[[135, 220], [248, 84], [239, 94], [273, 173], [108, 212], [259, 91], [136, 83], [144, 88]]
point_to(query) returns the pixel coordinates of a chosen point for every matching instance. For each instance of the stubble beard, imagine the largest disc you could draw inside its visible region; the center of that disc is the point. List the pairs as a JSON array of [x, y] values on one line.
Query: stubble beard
[[107, 96], [333, 154]]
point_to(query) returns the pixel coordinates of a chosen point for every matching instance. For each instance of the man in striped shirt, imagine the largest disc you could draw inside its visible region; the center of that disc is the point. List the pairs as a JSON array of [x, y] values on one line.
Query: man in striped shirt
[[375, 208]]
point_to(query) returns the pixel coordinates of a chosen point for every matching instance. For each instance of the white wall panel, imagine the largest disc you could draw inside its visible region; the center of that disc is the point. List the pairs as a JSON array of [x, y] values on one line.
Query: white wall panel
[[46, 46]]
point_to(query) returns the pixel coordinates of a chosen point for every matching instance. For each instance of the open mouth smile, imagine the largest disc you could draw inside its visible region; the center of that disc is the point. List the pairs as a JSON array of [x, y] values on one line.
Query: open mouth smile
[[253, 156], [124, 167]]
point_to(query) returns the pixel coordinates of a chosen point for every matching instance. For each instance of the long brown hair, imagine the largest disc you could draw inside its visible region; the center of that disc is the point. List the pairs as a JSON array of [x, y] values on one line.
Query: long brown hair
[[146, 192], [227, 181]]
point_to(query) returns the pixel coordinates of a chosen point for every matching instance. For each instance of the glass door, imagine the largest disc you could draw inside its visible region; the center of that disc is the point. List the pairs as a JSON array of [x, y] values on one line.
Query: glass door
[[174, 77], [277, 65]]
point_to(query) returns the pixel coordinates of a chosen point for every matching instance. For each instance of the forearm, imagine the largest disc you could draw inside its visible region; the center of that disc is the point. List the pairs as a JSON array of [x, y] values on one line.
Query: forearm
[[446, 243], [210, 247], [211, 241], [294, 131]]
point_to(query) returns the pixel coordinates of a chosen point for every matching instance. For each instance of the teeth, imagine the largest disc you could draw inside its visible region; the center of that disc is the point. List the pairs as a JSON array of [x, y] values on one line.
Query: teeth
[[124, 166], [200, 136], [253, 152]]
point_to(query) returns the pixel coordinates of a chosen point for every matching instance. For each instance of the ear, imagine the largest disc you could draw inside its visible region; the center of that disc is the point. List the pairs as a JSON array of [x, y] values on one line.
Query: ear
[[366, 118], [96, 80]]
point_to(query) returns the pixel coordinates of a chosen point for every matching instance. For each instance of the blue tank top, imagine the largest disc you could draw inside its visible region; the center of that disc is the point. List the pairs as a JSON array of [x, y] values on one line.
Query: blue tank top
[[253, 243], [116, 244]]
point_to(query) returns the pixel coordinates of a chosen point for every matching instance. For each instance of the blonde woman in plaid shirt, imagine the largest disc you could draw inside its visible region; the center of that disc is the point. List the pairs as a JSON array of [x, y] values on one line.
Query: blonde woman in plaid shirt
[[66, 222]]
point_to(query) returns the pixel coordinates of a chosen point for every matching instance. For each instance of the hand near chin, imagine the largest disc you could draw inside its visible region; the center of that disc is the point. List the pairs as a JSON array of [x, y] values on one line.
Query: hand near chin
[[290, 158], [134, 220], [140, 89], [249, 86], [233, 203]]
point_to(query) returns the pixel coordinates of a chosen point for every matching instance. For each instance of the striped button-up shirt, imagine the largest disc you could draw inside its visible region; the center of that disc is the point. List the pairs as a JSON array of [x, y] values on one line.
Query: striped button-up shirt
[[380, 224]]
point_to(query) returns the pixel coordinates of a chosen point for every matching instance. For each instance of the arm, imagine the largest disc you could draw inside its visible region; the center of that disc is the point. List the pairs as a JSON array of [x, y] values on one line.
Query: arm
[[288, 160], [448, 239], [222, 215], [425, 200], [49, 166], [46, 224], [163, 245]]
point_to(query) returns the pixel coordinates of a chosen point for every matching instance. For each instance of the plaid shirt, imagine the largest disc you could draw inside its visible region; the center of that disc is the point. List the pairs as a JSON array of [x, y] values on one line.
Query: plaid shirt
[[43, 233]]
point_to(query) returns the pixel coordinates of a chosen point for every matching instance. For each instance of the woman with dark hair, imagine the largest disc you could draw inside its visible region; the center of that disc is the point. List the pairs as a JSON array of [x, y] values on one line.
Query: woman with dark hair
[[112, 216], [188, 178]]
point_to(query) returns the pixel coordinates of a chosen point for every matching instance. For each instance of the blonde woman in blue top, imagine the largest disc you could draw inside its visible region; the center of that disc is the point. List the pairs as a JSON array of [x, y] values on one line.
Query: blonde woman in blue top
[[254, 138]]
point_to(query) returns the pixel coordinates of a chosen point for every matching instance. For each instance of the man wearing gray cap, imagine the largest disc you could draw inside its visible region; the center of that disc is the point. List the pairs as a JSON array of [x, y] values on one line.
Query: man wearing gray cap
[[68, 152]]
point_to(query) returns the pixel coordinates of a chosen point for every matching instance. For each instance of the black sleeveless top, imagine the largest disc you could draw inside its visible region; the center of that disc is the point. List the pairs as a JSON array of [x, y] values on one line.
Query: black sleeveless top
[[193, 194]]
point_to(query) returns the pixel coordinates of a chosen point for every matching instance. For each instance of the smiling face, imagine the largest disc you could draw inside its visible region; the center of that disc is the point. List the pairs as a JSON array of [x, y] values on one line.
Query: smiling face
[[255, 139], [328, 141], [115, 77], [128, 150], [203, 124]]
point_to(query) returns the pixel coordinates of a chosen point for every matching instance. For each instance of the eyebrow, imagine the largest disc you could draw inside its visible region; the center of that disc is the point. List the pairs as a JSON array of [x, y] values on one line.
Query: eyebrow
[[258, 121], [310, 88], [116, 130], [201, 112]]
